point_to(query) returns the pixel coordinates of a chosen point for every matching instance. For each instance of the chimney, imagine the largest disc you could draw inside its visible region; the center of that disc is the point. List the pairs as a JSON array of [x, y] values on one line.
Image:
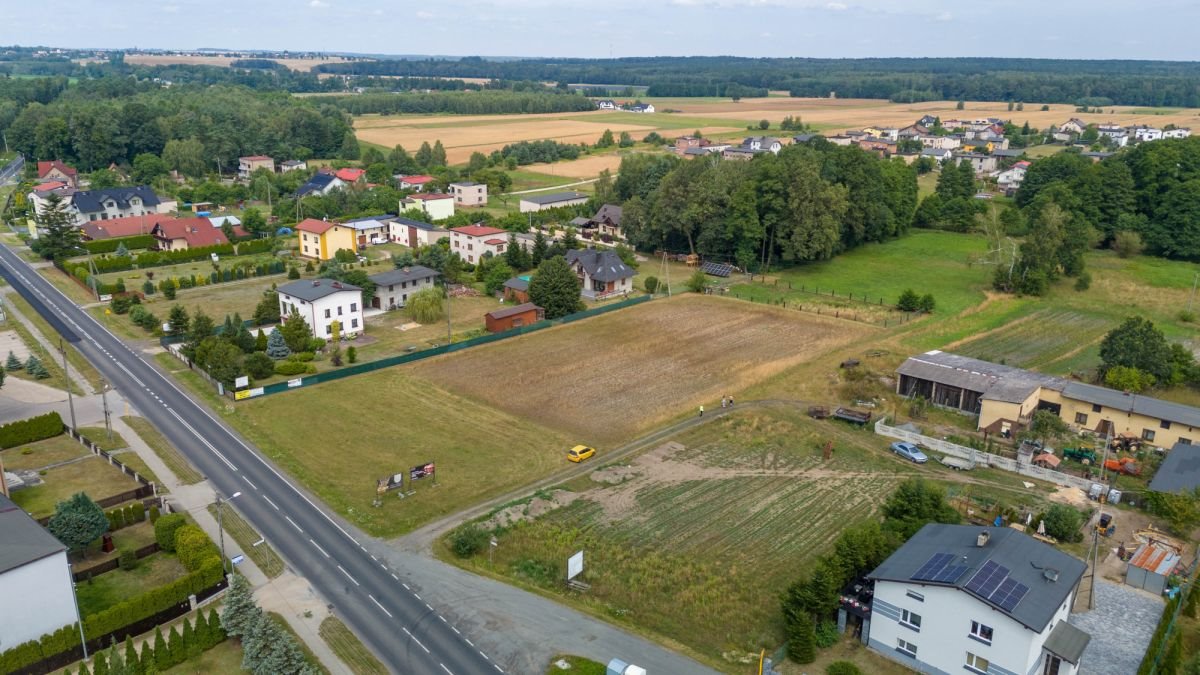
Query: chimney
[[336, 284], [316, 282], [982, 539]]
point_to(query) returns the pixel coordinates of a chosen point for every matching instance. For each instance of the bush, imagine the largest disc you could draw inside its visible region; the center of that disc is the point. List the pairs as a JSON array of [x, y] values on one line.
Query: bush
[[127, 560], [1083, 281], [1063, 523], [303, 357], [1186, 316], [1127, 244], [154, 515], [293, 272], [469, 539], [30, 430], [842, 668], [193, 547], [909, 301], [352, 354], [927, 303], [290, 368], [827, 634], [650, 284], [164, 530], [697, 282], [259, 366]]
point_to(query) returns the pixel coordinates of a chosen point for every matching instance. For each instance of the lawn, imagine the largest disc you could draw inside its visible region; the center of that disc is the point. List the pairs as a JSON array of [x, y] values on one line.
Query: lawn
[[349, 648], [265, 557], [163, 448], [92, 475], [110, 588], [51, 360], [661, 359], [74, 357], [41, 454], [576, 665], [384, 336], [223, 658], [99, 436], [200, 268]]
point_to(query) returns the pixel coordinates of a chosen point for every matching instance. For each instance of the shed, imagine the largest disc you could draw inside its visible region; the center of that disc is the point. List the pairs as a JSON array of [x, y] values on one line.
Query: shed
[[1151, 566], [516, 289], [1046, 460], [513, 317]]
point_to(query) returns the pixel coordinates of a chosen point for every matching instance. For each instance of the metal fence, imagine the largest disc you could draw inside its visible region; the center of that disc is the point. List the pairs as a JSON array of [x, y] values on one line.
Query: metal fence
[[985, 458]]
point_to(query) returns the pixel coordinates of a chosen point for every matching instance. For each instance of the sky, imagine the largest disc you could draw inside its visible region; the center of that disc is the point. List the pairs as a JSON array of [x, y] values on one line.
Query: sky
[[1087, 29]]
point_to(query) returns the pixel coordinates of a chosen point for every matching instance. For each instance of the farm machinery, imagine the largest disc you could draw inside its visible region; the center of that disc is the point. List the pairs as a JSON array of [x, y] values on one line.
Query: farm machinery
[[1083, 455], [1125, 465]]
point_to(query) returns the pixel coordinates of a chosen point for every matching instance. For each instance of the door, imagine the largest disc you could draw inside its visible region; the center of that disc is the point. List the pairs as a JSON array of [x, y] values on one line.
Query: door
[[1052, 665]]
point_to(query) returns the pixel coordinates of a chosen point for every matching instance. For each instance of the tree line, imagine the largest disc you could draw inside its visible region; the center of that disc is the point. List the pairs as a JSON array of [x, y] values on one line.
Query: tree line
[[489, 102], [809, 203]]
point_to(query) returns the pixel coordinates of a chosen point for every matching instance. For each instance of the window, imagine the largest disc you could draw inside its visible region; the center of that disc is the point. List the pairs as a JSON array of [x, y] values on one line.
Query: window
[[1184, 441], [339, 310], [329, 329], [1081, 418], [976, 663], [1164, 425], [910, 620], [391, 287], [354, 307], [915, 596], [981, 632], [326, 313], [906, 647], [1147, 434], [1096, 407], [354, 323]]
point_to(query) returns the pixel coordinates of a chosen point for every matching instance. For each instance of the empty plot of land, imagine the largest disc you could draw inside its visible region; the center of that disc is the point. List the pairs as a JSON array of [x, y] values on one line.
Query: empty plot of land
[[222, 61], [607, 378], [587, 167]]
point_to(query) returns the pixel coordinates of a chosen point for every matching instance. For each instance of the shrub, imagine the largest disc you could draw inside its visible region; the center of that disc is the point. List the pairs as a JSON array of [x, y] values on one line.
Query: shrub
[[697, 282], [909, 301], [352, 354], [316, 344], [303, 357], [30, 430], [1127, 244], [127, 560], [169, 291], [193, 547], [120, 304], [259, 366], [1186, 316], [650, 284], [293, 272], [137, 513], [164, 530], [842, 668], [927, 303], [467, 540], [289, 368], [154, 515], [1063, 523], [827, 634], [1083, 281]]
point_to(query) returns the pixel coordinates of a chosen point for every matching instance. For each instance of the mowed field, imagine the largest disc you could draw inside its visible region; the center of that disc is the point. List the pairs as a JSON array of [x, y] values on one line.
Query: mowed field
[[605, 379], [221, 61]]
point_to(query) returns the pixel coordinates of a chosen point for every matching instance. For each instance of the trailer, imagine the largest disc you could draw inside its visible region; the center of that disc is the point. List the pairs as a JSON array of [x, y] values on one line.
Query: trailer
[[818, 412], [958, 463], [852, 415]]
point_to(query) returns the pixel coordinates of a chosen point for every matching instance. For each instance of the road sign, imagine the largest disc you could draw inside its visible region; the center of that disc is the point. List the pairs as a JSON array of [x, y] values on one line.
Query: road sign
[[237, 559], [574, 565]]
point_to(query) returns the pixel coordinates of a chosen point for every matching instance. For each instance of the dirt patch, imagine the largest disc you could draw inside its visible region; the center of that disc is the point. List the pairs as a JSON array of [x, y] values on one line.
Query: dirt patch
[[536, 508], [615, 475]]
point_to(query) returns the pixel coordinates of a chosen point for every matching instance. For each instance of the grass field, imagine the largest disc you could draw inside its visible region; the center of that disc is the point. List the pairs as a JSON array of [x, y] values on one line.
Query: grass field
[[1039, 339], [74, 357], [263, 555], [41, 454], [51, 360], [92, 475], [110, 588], [660, 359], [163, 448], [349, 649]]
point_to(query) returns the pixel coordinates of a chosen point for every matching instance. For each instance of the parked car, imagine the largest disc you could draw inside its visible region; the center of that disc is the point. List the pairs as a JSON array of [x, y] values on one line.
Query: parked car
[[580, 453], [909, 451]]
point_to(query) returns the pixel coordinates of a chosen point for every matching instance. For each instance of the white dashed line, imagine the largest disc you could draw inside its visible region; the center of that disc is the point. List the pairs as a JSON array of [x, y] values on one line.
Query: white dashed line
[[403, 584], [318, 548], [248, 481], [397, 578], [414, 639], [445, 668], [348, 575], [455, 630], [428, 607], [469, 641], [485, 656], [442, 618], [416, 596], [381, 607], [270, 502], [293, 523]]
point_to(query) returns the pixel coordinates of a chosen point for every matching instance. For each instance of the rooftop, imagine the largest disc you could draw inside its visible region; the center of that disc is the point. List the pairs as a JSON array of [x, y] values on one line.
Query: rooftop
[[1179, 472], [554, 198], [419, 224], [1157, 558], [428, 196], [601, 264], [416, 180], [1133, 403], [402, 274], [315, 226], [24, 540], [89, 201], [996, 382], [315, 289], [122, 227], [478, 230], [1012, 572], [512, 311]]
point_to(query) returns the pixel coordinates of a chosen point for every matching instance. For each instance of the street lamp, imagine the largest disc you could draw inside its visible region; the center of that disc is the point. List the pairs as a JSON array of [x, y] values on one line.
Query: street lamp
[[221, 528]]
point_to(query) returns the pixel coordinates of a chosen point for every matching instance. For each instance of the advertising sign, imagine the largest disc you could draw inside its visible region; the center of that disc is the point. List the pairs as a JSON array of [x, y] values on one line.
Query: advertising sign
[[574, 565], [420, 471], [247, 393], [295, 382], [392, 482], [242, 382]]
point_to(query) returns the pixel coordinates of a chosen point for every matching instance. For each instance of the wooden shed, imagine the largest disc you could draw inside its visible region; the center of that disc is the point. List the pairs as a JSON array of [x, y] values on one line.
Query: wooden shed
[[513, 317]]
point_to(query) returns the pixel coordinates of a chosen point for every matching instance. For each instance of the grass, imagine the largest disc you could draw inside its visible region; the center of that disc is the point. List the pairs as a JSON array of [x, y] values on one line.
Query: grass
[[174, 460], [99, 436], [349, 649], [262, 554], [529, 180], [74, 357], [134, 461], [110, 588], [308, 654], [41, 454], [577, 665], [52, 361], [1038, 339], [92, 475], [200, 268], [223, 658]]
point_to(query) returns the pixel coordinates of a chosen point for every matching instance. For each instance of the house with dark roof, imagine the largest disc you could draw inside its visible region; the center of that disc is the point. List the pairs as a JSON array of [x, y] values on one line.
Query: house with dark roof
[[122, 202], [320, 184], [393, 287], [983, 600], [551, 201], [602, 273], [180, 234], [1180, 471], [414, 233], [57, 171], [606, 224], [321, 302], [35, 579], [292, 165]]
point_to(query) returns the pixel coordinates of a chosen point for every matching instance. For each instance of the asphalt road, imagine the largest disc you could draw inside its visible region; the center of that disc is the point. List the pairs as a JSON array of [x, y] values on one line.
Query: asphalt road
[[407, 632]]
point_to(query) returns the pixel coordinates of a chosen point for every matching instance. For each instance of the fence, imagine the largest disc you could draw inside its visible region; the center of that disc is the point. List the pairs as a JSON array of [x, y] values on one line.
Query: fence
[[111, 564], [388, 362], [1167, 625], [891, 316], [986, 458], [85, 442]]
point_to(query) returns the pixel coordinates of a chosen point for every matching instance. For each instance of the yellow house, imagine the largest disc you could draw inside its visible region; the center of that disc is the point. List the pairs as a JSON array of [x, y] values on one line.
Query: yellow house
[[1005, 399], [321, 239]]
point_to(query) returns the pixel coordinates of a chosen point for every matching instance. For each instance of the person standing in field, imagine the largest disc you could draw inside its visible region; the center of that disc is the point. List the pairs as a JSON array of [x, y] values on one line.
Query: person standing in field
[[702, 411]]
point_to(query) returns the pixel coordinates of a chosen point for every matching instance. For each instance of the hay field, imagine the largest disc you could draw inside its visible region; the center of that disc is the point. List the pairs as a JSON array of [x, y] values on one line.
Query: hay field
[[585, 167], [304, 65], [607, 378]]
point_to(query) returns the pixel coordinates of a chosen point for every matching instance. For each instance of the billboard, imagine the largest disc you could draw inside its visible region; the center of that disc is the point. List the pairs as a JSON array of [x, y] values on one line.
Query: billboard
[[575, 565], [392, 482], [241, 382], [420, 471]]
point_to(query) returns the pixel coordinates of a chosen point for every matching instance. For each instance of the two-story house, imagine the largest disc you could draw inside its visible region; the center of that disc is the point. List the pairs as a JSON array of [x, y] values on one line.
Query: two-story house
[[248, 165], [989, 601], [319, 185], [1142, 133], [322, 239], [606, 104], [435, 205], [472, 242], [762, 144], [1177, 132], [392, 288], [414, 183], [112, 203], [320, 302], [35, 579], [1072, 126], [469, 194], [602, 272], [415, 233], [57, 171]]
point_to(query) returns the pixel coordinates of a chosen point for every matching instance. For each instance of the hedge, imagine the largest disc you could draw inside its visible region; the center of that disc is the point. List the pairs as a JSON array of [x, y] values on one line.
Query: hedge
[[135, 242], [125, 516], [160, 258], [164, 530], [31, 430]]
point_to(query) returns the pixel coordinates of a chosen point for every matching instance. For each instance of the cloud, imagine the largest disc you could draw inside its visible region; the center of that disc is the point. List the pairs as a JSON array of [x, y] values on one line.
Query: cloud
[[836, 6], [170, 9], [318, 4], [422, 14], [944, 16]]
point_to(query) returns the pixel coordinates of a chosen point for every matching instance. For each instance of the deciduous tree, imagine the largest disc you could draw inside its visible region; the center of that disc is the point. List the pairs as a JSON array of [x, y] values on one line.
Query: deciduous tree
[[555, 288]]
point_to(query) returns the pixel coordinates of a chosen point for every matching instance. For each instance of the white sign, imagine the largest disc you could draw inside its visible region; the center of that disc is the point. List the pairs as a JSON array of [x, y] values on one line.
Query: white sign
[[237, 559], [243, 381], [574, 565], [296, 382], [106, 297], [166, 328]]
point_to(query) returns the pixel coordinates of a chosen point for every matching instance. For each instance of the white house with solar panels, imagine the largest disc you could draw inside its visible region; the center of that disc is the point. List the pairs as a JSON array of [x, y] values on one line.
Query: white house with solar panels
[[991, 601]]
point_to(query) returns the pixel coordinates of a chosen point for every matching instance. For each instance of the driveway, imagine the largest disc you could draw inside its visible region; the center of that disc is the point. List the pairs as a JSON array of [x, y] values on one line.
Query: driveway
[[1121, 626]]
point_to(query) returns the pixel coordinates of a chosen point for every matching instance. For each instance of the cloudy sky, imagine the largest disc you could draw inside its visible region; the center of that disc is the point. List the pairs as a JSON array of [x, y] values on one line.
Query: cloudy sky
[[1155, 29]]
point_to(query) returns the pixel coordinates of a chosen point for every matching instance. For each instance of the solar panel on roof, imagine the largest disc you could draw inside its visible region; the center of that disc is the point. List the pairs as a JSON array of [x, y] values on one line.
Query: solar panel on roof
[[951, 574], [717, 269], [987, 579], [932, 567], [1009, 594]]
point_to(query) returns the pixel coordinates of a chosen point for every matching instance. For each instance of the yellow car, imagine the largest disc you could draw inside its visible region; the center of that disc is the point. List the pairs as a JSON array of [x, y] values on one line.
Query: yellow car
[[580, 453]]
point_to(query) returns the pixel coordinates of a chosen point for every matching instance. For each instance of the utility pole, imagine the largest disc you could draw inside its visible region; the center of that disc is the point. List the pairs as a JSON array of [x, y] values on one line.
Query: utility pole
[[107, 413], [221, 528], [1192, 297], [449, 333], [67, 375]]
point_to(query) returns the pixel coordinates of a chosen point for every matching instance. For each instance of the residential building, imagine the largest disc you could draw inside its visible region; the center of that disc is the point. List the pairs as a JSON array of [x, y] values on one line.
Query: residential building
[[762, 144], [393, 287], [351, 176], [606, 104], [35, 579], [840, 139], [992, 601], [1072, 126], [319, 185], [606, 222], [322, 239], [436, 205], [683, 143], [739, 153], [1114, 131], [911, 132], [882, 146], [180, 234], [1143, 133], [469, 194], [57, 171], [414, 183], [109, 203], [941, 142], [641, 108], [414, 233], [370, 230], [132, 226], [552, 201], [473, 242], [938, 155], [1009, 180], [602, 272], [293, 165], [516, 290], [1177, 132], [980, 163], [1004, 399], [927, 121], [248, 165], [804, 138], [508, 318], [320, 302]]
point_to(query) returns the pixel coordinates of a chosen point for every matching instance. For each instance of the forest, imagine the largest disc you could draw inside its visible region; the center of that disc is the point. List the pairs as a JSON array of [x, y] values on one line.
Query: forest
[[488, 102]]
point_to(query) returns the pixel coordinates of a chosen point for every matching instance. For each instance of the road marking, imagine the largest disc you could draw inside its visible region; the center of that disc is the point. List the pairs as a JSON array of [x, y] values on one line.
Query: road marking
[[348, 576], [202, 439], [270, 502], [428, 607], [373, 558], [414, 639], [381, 607], [403, 584], [248, 481], [383, 567], [485, 656], [442, 618], [497, 668], [416, 596], [455, 630], [445, 668], [293, 524], [396, 577], [318, 548], [469, 641]]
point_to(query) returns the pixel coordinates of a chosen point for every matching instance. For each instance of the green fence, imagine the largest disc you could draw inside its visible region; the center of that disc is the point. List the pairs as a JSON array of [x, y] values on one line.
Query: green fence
[[388, 362]]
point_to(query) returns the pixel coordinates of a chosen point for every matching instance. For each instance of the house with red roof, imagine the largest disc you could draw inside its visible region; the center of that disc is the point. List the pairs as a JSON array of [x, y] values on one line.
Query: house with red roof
[[57, 171], [436, 205], [352, 177], [113, 228], [181, 234], [472, 242], [322, 239], [414, 183]]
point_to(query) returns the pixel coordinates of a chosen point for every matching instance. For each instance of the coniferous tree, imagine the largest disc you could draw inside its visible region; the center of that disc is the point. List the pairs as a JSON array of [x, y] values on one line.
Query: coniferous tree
[[276, 346], [191, 645], [13, 363], [216, 631], [100, 663], [239, 610], [176, 653], [59, 237], [133, 665], [147, 661], [162, 655]]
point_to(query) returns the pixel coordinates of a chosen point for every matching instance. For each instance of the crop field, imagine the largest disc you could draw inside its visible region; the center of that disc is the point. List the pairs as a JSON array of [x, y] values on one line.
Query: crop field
[[606, 378], [695, 539], [1038, 340], [222, 61]]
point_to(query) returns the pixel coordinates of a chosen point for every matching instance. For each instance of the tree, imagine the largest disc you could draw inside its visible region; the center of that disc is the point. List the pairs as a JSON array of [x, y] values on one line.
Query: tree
[[254, 222], [540, 248], [909, 301], [77, 522], [59, 237], [1125, 378], [424, 155], [133, 665], [268, 649], [239, 611], [146, 167], [260, 341], [224, 362], [606, 139], [802, 638], [277, 347], [438, 155], [764, 124], [426, 306], [162, 656], [697, 282], [13, 363], [960, 105], [555, 288], [914, 504], [296, 333], [267, 310], [498, 273], [259, 366], [1047, 427], [1137, 343], [515, 255], [650, 284], [1063, 523], [626, 140], [185, 156], [1127, 244], [350, 148]]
